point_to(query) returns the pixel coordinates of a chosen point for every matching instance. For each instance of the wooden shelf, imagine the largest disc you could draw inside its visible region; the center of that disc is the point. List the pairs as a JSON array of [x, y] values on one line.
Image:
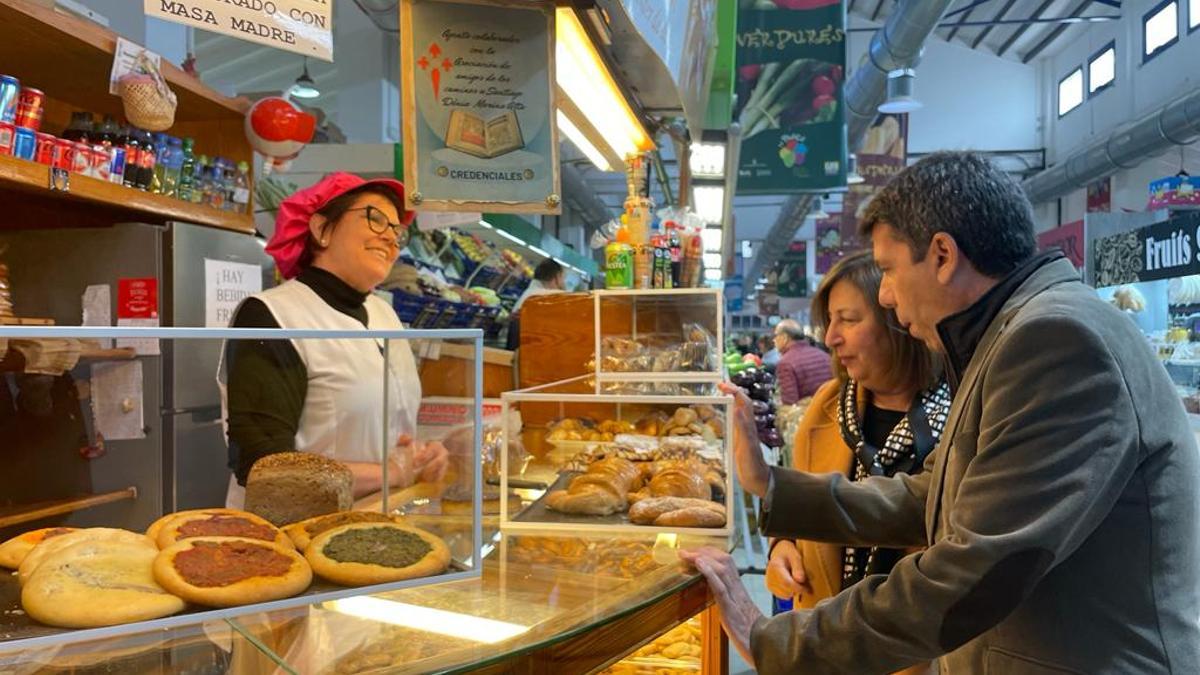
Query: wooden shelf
[[16, 515], [34, 179]]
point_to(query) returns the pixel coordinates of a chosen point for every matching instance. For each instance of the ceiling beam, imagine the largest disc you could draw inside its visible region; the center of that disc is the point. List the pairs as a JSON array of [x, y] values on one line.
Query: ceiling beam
[[988, 29], [1016, 34], [1053, 34], [965, 18], [878, 9]]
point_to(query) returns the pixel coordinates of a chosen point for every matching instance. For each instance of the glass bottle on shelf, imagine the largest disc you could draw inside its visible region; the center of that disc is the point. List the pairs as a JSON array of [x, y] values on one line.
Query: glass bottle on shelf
[[162, 150], [187, 168], [241, 191], [200, 181], [80, 128], [133, 157], [174, 166]]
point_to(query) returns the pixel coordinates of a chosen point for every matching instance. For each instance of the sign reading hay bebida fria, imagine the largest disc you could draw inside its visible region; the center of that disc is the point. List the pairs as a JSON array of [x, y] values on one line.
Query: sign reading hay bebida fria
[[301, 26], [478, 106]]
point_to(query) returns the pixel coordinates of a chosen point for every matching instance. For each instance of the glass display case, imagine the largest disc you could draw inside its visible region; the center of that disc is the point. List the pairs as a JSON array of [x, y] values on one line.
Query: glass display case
[[620, 456], [109, 433], [659, 334]]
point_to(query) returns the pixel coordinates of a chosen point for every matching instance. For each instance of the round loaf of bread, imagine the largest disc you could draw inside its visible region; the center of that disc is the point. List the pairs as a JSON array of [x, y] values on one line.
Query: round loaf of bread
[[97, 583], [289, 487], [13, 551]]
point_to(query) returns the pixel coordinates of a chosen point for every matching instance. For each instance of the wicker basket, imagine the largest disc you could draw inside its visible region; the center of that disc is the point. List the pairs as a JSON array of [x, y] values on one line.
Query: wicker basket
[[149, 102]]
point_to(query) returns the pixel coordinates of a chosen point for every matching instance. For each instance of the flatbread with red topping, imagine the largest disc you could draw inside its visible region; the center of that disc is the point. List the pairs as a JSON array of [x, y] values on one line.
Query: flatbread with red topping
[[13, 551], [231, 571], [234, 524], [157, 525]]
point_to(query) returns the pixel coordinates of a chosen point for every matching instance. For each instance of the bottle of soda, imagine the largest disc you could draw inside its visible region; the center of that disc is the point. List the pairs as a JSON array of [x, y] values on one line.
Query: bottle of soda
[[200, 181], [148, 160], [162, 156], [216, 185], [241, 191], [230, 186], [80, 128], [106, 140], [133, 157], [187, 168]]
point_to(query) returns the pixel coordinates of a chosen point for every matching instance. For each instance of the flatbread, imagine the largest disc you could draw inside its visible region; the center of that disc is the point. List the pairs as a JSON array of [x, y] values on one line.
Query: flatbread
[[302, 533], [231, 571], [152, 531], [229, 524], [358, 554], [13, 551], [97, 583], [48, 548]]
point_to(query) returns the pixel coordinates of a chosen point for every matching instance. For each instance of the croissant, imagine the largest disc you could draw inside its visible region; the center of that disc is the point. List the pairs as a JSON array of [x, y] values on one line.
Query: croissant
[[601, 491]]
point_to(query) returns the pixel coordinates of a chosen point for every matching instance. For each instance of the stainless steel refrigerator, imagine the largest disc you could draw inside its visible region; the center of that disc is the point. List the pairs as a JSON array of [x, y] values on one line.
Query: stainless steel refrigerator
[[181, 463]]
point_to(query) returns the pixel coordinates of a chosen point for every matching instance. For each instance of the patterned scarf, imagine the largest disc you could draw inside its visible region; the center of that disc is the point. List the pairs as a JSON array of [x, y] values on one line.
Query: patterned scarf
[[904, 451]]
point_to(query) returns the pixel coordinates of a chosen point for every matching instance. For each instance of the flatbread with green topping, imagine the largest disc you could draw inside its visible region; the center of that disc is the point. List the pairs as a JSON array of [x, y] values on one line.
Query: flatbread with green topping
[[360, 554]]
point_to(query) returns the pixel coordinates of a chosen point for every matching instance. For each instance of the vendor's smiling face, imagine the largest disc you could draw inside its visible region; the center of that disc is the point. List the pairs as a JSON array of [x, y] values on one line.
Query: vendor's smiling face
[[353, 251]]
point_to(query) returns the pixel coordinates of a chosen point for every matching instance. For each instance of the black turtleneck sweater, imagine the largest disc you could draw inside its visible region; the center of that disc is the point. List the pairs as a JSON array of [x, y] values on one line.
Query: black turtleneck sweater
[[268, 380]]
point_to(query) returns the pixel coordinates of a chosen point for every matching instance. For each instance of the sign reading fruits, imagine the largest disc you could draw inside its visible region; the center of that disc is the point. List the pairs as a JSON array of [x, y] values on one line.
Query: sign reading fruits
[[791, 57]]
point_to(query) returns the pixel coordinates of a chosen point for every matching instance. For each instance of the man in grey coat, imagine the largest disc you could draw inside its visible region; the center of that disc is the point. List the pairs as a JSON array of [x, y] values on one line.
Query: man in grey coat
[[1061, 509]]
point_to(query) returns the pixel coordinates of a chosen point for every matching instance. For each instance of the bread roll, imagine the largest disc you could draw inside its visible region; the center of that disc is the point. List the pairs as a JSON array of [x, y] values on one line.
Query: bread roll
[[97, 583], [647, 511], [692, 516], [289, 487], [601, 491]]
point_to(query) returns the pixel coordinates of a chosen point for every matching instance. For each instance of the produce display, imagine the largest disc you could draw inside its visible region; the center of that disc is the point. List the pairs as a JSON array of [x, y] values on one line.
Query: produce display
[[759, 385]]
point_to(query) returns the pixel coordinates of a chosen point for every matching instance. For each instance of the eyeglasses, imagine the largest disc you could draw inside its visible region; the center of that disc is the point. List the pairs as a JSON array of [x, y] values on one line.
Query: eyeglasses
[[379, 223]]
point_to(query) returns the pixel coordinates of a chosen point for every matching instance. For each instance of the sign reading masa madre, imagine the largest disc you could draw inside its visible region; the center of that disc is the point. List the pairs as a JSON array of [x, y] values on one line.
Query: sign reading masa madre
[[301, 26]]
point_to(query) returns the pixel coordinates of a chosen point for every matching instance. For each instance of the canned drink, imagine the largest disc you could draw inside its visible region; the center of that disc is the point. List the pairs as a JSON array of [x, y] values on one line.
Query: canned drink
[[64, 154], [8, 135], [31, 104], [44, 154], [81, 161], [10, 93], [116, 168], [101, 160], [25, 143]]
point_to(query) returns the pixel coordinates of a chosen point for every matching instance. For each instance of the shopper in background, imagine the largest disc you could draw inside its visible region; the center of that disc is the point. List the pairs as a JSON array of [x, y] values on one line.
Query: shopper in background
[[548, 277], [802, 368], [881, 415], [334, 242], [770, 355], [1062, 515]]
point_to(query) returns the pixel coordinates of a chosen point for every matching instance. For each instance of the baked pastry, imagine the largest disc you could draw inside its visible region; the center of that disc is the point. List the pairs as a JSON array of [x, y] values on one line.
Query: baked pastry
[[13, 551], [677, 512], [360, 554], [289, 487], [602, 490], [232, 524], [97, 583], [303, 532], [49, 547], [152, 531], [231, 571]]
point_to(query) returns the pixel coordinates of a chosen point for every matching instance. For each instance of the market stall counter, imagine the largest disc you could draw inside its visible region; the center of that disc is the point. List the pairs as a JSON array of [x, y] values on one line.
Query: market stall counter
[[543, 604]]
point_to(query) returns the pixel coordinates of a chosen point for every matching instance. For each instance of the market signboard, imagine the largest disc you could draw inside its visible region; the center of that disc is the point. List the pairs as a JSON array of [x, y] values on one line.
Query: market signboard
[[1161, 251], [791, 272], [791, 63], [478, 107], [301, 26]]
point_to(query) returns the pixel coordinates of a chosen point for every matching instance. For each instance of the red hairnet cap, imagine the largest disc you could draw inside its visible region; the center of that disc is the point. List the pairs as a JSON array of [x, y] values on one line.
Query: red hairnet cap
[[295, 212]]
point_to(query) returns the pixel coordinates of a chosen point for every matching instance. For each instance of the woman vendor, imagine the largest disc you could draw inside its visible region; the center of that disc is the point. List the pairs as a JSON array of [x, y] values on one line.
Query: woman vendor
[[334, 243]]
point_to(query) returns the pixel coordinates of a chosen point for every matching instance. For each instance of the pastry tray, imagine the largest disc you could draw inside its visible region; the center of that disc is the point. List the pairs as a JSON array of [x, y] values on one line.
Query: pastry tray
[[16, 625], [538, 512]]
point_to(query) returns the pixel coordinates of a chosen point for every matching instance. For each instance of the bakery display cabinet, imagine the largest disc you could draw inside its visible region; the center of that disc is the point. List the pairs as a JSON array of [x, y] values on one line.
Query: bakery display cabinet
[[103, 428], [658, 335], [620, 456]]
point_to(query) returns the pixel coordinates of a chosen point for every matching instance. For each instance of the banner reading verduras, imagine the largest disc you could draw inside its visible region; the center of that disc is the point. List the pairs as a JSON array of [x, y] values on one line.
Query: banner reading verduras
[[478, 94], [791, 58], [301, 26]]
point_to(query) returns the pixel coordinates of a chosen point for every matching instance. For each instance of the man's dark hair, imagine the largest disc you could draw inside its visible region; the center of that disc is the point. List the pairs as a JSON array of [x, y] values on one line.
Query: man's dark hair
[[547, 270], [966, 196]]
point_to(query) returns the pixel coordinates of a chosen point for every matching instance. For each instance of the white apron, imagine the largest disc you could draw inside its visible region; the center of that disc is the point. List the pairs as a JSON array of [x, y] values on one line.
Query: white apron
[[343, 416]]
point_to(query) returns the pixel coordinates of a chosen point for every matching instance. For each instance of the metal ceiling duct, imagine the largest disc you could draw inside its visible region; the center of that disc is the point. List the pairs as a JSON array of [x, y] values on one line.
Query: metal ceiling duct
[[896, 45], [580, 196], [1176, 123]]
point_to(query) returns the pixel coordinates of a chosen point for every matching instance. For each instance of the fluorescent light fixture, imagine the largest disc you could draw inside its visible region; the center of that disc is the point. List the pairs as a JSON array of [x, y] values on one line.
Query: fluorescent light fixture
[[450, 624], [538, 251], [510, 237], [713, 260], [713, 274], [583, 77], [707, 160], [711, 236], [709, 201], [585, 146]]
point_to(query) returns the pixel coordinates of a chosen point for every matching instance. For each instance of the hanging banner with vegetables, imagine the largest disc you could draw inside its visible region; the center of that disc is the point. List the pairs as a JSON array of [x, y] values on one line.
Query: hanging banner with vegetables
[[791, 58], [791, 272]]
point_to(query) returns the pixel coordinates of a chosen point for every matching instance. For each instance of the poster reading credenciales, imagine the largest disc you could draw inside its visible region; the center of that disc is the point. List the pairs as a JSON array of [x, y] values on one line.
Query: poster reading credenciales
[[479, 130], [791, 62], [301, 26]]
